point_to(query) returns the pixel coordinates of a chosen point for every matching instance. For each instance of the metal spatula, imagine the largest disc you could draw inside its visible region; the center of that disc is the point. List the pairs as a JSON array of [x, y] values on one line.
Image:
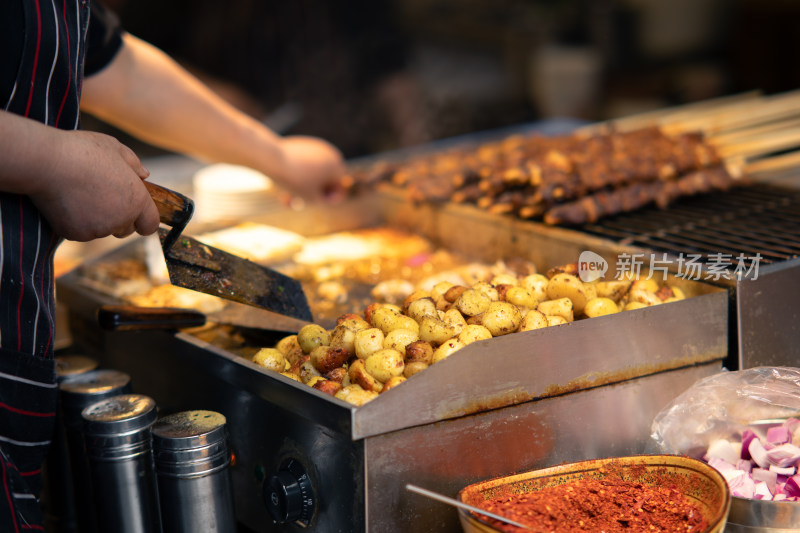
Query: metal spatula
[[197, 266]]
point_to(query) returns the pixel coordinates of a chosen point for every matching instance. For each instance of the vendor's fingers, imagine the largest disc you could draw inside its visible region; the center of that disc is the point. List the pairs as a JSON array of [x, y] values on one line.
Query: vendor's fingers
[[148, 220], [124, 232], [334, 192], [133, 160]]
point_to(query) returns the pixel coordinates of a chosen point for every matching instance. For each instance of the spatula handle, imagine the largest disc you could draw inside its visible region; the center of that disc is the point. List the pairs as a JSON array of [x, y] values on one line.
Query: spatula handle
[[133, 318], [174, 208]]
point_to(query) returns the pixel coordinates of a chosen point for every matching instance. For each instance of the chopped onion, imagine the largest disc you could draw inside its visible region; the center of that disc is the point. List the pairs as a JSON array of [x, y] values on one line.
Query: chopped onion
[[761, 467], [747, 436], [762, 491], [766, 476], [723, 449], [758, 454], [792, 424], [792, 486], [783, 455], [778, 435], [742, 486], [790, 471]]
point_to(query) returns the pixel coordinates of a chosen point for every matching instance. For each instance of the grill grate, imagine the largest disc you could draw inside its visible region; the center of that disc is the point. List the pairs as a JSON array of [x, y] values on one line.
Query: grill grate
[[746, 226]]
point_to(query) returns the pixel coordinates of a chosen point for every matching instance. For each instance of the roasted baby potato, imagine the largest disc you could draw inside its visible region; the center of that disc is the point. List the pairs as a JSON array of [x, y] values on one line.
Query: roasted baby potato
[[533, 319], [454, 318], [446, 349], [384, 318], [359, 376], [393, 382], [308, 371], [521, 297], [367, 342], [398, 339], [355, 395], [488, 289], [536, 284], [565, 285], [270, 358], [287, 344], [454, 292], [311, 336], [292, 375], [419, 309], [650, 285], [403, 322], [501, 318], [325, 385], [343, 338], [643, 296], [419, 352], [504, 279], [555, 320], [474, 332], [473, 302], [414, 367], [326, 358], [435, 331], [630, 306], [561, 307], [613, 289], [385, 364], [600, 306]]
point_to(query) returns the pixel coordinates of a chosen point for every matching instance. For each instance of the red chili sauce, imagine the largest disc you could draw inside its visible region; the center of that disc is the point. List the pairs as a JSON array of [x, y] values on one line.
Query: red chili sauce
[[607, 505]]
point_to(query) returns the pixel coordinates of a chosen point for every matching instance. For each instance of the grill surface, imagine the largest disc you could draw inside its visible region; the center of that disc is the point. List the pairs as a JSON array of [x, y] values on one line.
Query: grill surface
[[760, 223]]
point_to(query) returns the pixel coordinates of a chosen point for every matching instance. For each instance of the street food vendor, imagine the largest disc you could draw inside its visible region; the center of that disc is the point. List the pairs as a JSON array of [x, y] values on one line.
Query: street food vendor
[[59, 182]]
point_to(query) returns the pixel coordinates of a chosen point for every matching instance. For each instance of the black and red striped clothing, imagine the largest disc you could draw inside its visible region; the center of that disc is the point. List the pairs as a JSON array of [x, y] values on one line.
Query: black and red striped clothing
[[45, 45]]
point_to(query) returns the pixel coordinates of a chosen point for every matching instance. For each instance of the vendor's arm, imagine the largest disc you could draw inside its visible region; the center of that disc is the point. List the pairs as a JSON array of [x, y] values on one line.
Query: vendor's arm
[[87, 185], [144, 92]]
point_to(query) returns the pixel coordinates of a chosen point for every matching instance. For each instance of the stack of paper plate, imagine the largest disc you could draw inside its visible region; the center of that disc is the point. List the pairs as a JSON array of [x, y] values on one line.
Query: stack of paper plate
[[225, 192]]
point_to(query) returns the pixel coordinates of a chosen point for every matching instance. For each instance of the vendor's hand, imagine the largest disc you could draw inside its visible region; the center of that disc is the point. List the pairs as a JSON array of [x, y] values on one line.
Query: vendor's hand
[[95, 189], [314, 167]]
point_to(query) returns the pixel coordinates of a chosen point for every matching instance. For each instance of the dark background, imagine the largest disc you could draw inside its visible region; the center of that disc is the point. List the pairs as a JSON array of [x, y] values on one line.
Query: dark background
[[377, 75]]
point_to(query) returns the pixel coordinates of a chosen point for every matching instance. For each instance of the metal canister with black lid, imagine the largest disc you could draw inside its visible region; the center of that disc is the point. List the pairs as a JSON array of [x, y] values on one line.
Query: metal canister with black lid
[[78, 390], [192, 461], [58, 494], [117, 433]]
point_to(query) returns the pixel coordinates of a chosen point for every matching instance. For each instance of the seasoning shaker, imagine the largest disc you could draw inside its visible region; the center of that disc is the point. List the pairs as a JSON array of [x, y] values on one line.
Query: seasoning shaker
[[58, 497], [192, 461], [117, 433], [77, 391]]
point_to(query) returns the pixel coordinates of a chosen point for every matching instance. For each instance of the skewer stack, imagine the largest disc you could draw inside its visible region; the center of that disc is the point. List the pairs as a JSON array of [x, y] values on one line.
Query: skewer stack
[[611, 167]]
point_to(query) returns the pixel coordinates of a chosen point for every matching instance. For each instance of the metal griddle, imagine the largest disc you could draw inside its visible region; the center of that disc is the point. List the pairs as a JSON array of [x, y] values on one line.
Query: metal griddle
[[761, 220], [584, 390]]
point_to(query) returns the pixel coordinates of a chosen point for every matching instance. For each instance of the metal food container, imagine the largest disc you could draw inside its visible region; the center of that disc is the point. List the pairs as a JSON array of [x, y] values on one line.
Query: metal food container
[[192, 462], [588, 389], [120, 459], [757, 516], [700, 483], [763, 516]]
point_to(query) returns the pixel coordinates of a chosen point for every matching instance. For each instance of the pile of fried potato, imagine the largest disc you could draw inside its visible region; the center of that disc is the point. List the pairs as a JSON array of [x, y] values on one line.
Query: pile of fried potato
[[365, 355]]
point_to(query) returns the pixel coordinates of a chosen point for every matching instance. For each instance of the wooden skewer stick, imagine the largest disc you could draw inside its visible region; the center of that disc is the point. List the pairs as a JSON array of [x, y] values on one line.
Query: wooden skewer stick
[[741, 135], [752, 114], [763, 145], [651, 118], [774, 163]]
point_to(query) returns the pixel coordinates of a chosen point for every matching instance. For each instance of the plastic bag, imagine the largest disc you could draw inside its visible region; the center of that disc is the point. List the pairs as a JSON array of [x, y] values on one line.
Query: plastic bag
[[723, 405]]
